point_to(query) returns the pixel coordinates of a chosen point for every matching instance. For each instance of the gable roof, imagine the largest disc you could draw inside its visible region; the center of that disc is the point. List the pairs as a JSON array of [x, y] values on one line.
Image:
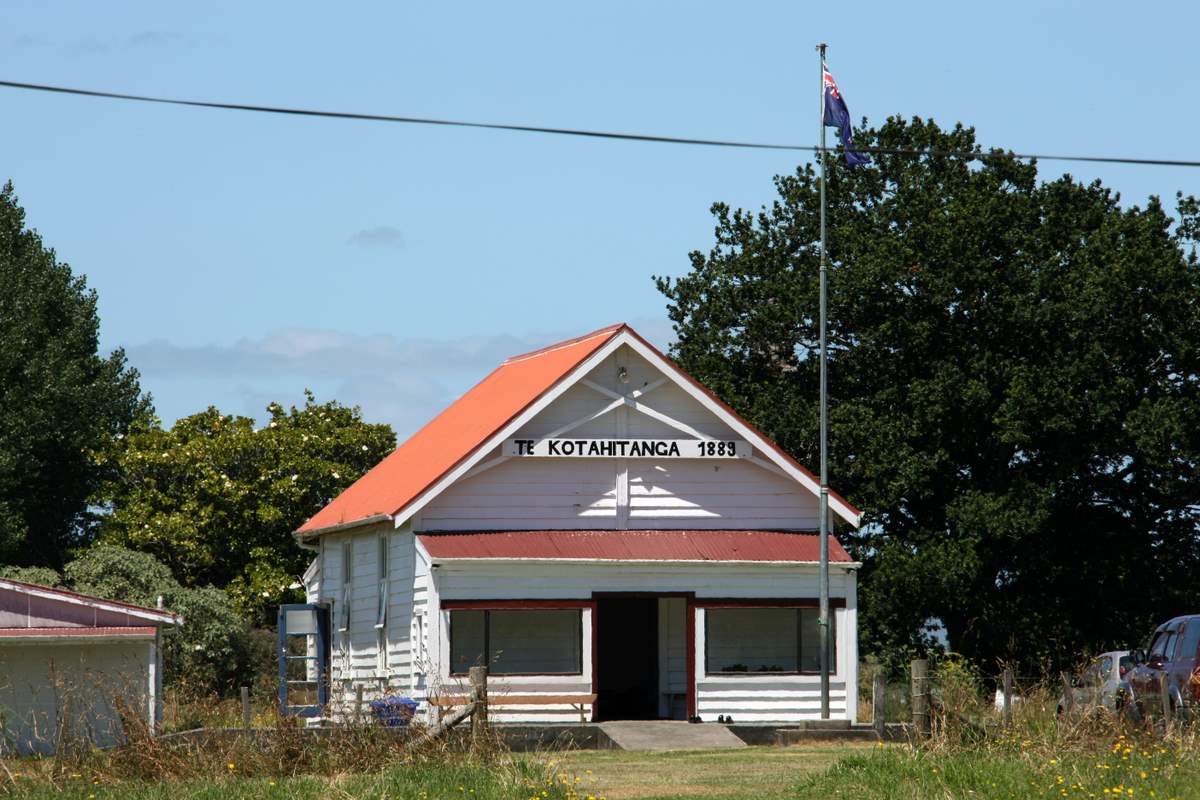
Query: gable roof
[[465, 430], [457, 432], [32, 591]]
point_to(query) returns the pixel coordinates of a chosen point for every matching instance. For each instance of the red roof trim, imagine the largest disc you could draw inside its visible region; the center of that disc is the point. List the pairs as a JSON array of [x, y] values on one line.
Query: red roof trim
[[87, 598], [717, 546], [78, 633], [611, 329]]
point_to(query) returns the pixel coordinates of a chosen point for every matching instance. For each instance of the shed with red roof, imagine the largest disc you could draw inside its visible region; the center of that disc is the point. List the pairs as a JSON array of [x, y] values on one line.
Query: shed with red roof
[[603, 533], [68, 660]]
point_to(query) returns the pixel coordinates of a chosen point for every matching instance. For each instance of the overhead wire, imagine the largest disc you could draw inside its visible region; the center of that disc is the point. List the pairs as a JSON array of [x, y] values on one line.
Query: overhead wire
[[581, 132]]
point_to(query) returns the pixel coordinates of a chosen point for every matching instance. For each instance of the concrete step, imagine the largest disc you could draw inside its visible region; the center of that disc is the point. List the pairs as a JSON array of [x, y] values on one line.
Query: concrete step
[[670, 735]]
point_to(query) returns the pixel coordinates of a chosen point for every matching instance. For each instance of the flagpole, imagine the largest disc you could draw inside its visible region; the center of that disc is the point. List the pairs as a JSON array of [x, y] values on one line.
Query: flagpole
[[823, 626]]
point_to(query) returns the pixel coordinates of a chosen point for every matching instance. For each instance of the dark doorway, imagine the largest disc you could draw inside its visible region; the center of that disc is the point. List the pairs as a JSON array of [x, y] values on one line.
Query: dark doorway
[[626, 658]]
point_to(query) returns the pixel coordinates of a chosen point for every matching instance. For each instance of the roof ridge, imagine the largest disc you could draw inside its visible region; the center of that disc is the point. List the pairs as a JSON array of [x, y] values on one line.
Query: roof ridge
[[566, 343], [88, 597]]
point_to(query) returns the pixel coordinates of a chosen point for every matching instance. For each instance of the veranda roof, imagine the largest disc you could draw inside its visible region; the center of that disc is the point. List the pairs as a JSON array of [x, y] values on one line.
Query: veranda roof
[[637, 545]]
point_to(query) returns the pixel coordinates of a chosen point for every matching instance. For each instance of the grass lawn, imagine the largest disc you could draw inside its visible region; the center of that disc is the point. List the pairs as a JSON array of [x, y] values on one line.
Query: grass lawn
[[753, 772], [407, 782], [1005, 770]]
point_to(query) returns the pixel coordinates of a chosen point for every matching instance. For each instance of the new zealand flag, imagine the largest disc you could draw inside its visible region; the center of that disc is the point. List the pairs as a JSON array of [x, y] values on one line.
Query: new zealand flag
[[838, 116]]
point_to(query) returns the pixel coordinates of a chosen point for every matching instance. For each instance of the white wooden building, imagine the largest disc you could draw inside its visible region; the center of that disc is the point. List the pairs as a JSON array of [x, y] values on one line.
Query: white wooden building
[[601, 531], [67, 660]]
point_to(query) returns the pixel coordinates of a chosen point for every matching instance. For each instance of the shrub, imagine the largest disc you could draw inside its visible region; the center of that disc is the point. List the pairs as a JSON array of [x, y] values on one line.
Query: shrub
[[43, 576], [117, 573], [210, 651]]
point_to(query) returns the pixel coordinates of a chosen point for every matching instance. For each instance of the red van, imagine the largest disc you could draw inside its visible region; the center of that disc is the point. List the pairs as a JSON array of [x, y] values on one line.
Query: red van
[[1173, 652]]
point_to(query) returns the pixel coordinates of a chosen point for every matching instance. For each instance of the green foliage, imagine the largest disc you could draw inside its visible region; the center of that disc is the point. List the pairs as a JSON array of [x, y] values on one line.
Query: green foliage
[[43, 576], [59, 399], [213, 650], [116, 573], [1013, 388], [217, 499]]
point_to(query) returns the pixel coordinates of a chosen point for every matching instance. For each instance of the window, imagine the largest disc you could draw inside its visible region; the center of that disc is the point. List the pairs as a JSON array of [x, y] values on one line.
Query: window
[[762, 640], [1163, 647], [1190, 641], [381, 609], [347, 583], [381, 651], [381, 639], [517, 641]]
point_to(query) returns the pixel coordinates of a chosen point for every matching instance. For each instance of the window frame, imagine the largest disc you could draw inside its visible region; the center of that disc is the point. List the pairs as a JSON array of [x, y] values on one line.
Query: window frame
[[384, 582], [798, 609], [347, 584], [487, 642]]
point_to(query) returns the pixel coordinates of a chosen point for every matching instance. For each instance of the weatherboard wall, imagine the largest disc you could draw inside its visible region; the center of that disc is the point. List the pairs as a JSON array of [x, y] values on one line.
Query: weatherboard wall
[[354, 657]]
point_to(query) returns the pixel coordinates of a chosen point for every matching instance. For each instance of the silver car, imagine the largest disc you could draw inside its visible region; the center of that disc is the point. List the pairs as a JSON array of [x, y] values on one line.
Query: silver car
[[1099, 684]]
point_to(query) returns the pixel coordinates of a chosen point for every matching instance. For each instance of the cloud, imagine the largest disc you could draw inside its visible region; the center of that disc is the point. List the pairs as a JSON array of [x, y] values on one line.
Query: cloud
[[87, 47], [324, 353], [30, 40], [156, 39], [404, 382], [379, 236]]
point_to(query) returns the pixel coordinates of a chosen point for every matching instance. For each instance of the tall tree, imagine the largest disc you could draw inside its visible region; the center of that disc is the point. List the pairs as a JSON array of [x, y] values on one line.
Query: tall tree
[[1014, 387], [216, 499], [60, 400]]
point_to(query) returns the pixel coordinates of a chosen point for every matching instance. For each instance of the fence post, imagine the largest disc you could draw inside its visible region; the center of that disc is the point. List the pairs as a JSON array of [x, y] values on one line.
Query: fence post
[[246, 707], [1164, 697], [1068, 695], [920, 698], [358, 704], [479, 701], [879, 703], [1007, 683]]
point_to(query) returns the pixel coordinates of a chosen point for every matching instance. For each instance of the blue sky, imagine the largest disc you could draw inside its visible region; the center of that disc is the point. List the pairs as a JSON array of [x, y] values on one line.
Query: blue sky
[[240, 258]]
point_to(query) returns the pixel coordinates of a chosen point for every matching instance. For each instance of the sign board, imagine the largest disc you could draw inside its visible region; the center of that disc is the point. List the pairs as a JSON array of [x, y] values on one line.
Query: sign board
[[628, 448]]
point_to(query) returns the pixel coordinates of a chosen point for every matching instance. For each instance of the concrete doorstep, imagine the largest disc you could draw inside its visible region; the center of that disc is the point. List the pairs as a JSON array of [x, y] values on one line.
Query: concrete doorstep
[[670, 735]]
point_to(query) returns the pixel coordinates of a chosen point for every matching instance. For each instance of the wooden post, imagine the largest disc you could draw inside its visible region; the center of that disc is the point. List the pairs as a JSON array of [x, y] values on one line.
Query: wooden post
[[479, 701], [1164, 697], [358, 704], [246, 719], [1007, 683], [879, 703], [1068, 695], [920, 698]]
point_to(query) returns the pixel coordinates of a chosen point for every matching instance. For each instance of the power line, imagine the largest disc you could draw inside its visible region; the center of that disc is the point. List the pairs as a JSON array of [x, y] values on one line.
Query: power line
[[592, 134]]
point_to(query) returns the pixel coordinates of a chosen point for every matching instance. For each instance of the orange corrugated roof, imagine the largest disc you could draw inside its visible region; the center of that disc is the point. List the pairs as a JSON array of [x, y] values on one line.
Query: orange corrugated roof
[[458, 431]]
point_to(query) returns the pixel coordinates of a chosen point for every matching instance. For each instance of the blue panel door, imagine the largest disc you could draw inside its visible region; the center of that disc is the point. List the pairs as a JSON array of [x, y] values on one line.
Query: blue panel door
[[303, 659]]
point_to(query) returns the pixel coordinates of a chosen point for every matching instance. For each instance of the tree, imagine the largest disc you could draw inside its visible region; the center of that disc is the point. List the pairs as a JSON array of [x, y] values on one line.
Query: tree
[[60, 401], [217, 500], [1014, 390]]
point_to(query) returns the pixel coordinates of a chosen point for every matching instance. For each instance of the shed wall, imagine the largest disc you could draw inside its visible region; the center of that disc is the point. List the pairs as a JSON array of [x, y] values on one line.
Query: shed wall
[[78, 682]]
